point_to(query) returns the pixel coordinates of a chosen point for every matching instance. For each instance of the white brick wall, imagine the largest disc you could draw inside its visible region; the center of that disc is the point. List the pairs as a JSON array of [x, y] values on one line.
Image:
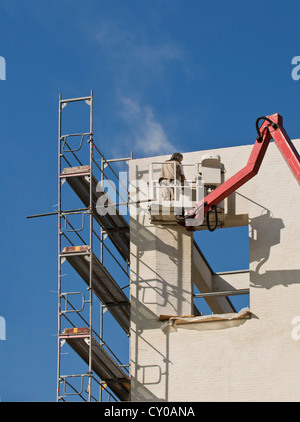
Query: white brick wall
[[247, 360]]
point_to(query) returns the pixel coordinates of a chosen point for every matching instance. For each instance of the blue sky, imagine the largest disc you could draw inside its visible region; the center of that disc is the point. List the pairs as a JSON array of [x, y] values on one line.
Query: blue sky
[[167, 75]]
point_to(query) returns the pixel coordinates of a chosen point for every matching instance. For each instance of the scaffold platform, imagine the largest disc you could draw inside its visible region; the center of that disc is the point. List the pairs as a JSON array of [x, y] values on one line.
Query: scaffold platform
[[105, 212], [102, 363]]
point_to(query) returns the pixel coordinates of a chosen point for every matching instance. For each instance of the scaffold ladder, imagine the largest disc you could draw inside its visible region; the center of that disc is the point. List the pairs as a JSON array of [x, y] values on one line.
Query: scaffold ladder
[[63, 149]]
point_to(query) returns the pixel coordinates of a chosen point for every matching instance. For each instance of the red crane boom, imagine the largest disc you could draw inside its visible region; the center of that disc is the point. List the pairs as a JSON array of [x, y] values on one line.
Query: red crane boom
[[271, 128]]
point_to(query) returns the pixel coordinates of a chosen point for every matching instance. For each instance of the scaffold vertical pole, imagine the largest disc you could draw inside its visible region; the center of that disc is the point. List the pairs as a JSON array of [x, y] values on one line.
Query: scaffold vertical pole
[[59, 249], [91, 244]]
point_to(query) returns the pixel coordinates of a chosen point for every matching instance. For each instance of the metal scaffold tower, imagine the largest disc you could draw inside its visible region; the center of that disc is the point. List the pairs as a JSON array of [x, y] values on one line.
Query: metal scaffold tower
[[93, 263]]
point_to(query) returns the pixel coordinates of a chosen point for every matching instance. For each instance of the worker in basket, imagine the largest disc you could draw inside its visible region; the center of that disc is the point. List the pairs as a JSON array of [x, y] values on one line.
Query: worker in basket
[[171, 175]]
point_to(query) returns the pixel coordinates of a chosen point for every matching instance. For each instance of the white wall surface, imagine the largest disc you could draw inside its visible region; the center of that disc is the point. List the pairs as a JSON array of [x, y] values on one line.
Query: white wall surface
[[244, 360]]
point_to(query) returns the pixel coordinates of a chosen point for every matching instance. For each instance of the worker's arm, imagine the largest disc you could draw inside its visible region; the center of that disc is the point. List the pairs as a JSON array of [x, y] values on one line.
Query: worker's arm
[[182, 176]]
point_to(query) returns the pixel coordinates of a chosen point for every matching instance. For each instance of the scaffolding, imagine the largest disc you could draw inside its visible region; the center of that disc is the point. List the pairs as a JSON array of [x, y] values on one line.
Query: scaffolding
[[93, 241]]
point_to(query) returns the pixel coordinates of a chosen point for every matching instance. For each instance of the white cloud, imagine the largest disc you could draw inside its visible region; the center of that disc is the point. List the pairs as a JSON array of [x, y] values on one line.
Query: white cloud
[[135, 65], [148, 135], [155, 58], [126, 52]]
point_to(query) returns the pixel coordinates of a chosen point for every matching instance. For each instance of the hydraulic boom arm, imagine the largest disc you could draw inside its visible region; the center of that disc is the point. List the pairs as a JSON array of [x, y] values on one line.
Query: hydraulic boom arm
[[270, 128]]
